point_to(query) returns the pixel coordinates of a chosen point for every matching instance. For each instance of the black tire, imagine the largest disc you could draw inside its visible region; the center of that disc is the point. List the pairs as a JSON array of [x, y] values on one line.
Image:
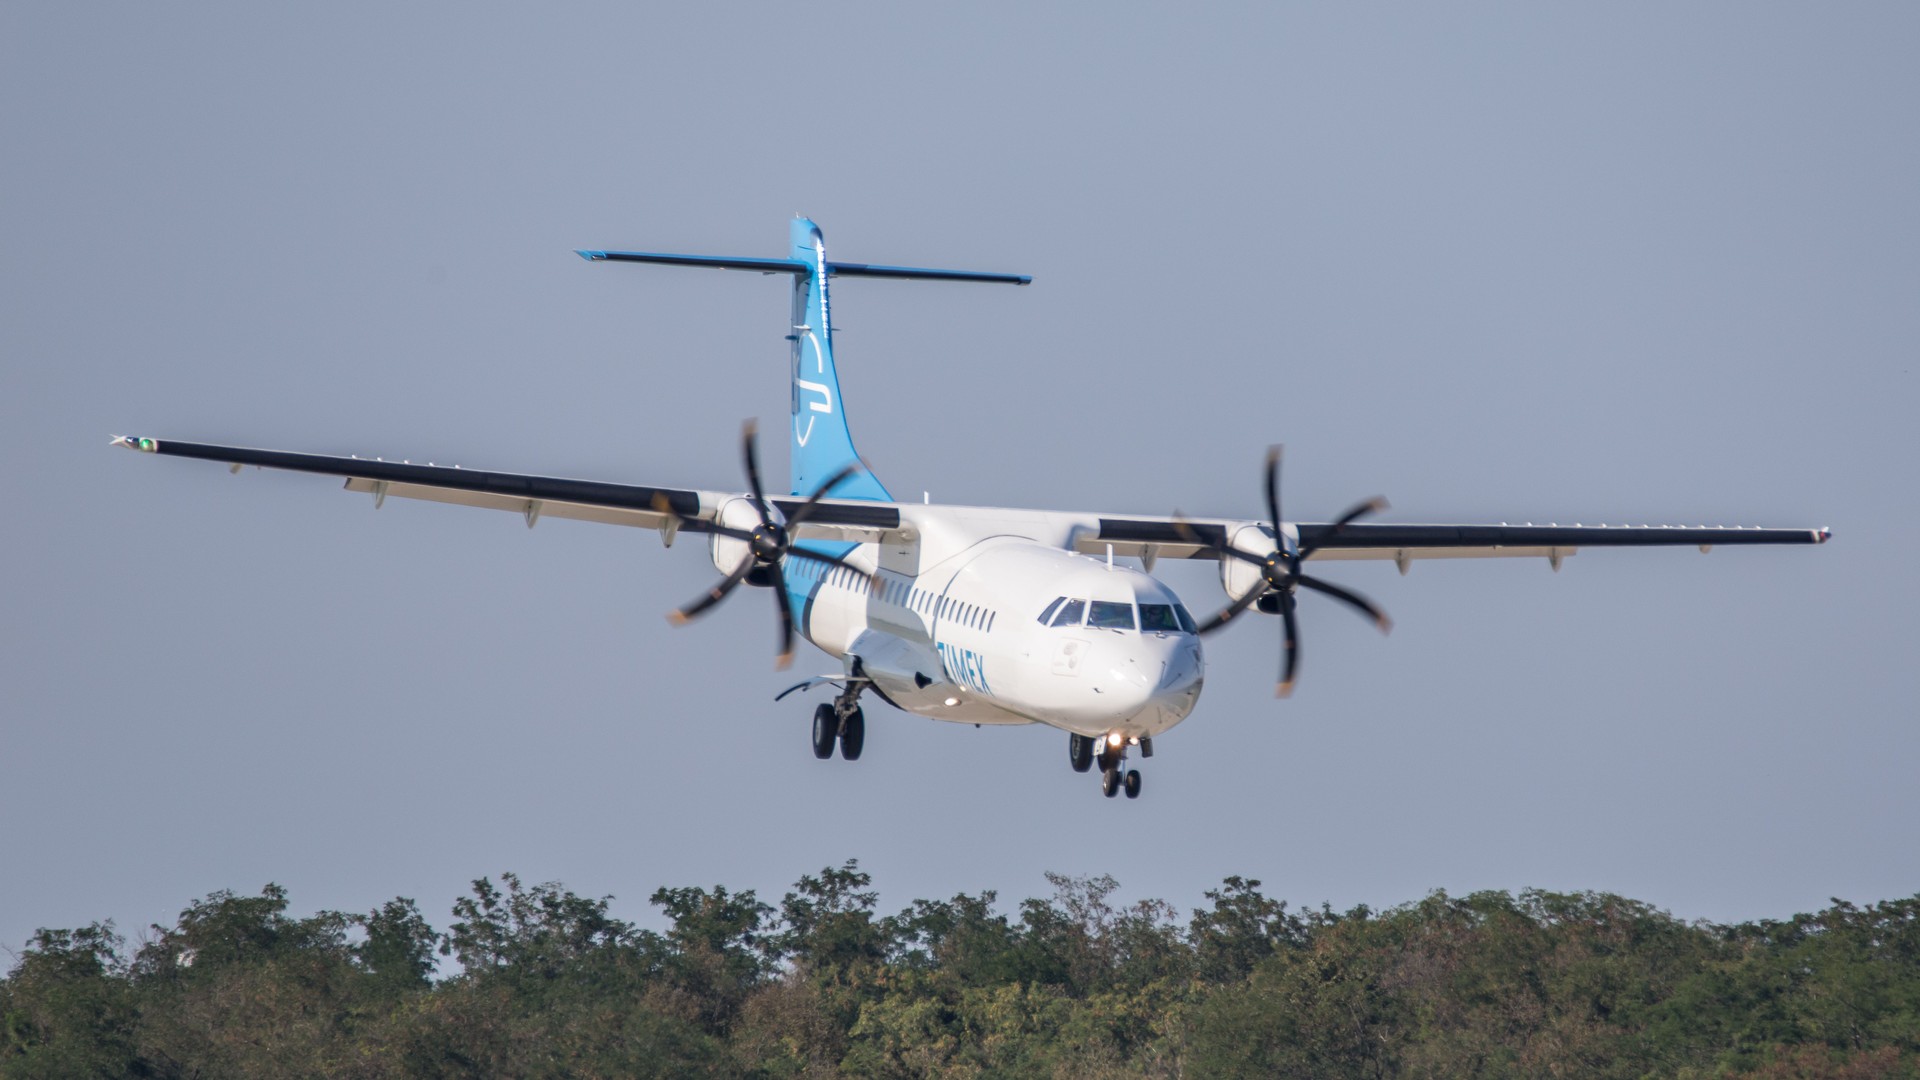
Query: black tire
[[825, 727], [1133, 783], [1110, 782], [1079, 752], [853, 735]]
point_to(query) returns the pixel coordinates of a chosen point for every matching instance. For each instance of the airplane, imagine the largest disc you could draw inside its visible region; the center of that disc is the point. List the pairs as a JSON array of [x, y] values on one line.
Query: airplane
[[980, 615]]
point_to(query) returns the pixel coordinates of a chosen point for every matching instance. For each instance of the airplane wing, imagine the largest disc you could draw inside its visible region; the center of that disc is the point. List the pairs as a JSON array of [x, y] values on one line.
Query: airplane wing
[[859, 521], [534, 497], [1171, 538]]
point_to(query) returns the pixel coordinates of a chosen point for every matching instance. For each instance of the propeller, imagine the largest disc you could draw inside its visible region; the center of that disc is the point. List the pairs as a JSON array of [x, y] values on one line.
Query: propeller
[[1280, 571], [767, 545]]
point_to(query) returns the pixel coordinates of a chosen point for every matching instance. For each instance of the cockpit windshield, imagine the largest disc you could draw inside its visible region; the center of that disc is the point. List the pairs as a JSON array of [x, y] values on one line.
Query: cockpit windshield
[[1110, 615], [1118, 615], [1186, 620], [1158, 618]]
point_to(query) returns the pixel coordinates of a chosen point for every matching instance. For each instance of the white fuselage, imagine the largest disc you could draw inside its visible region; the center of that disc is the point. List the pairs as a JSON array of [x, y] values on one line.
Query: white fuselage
[[953, 629]]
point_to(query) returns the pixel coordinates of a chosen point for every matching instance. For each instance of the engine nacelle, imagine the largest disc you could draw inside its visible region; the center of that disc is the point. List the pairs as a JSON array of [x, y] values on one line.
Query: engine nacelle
[[727, 552], [1240, 578]]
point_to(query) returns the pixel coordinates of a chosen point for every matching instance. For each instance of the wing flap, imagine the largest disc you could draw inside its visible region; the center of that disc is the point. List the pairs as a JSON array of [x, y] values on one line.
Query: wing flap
[[536, 508]]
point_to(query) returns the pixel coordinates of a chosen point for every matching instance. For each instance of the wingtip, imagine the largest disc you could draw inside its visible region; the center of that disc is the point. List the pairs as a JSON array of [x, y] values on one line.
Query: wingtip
[[135, 442], [591, 256], [1822, 534]]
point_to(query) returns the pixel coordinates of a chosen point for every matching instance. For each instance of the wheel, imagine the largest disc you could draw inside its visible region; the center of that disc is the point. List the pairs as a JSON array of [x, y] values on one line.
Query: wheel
[[1110, 782], [1080, 752], [853, 735], [825, 727], [1133, 783]]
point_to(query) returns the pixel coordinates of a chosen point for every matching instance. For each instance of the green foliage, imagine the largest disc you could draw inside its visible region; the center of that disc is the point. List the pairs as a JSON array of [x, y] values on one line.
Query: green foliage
[[545, 983]]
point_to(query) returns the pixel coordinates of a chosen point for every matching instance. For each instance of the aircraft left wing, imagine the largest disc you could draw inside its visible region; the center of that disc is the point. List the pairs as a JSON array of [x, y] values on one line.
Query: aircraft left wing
[[1168, 538], [535, 497]]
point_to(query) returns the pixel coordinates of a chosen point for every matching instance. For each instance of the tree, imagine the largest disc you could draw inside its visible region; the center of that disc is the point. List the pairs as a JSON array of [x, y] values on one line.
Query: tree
[[66, 1008]]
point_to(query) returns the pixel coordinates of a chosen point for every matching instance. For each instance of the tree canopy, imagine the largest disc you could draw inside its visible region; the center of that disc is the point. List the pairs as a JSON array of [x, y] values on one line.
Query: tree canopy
[[537, 981]]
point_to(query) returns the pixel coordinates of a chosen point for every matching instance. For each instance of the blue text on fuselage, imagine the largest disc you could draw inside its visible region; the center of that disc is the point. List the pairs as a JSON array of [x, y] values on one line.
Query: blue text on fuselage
[[964, 666]]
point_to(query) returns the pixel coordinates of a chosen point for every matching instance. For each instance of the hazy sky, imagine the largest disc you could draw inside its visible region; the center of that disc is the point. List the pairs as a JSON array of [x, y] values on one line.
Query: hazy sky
[[1620, 263]]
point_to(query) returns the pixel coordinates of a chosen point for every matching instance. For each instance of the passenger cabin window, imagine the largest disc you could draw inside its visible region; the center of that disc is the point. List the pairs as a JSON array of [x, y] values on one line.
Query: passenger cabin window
[[1110, 615], [1048, 614], [1070, 613], [1158, 618]]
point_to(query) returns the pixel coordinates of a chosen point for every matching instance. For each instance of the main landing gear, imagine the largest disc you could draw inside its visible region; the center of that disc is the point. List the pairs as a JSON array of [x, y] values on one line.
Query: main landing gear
[[841, 722], [1111, 753]]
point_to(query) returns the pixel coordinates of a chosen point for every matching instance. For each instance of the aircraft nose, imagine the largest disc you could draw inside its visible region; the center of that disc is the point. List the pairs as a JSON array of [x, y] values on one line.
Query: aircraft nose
[[1179, 684], [1140, 680], [1182, 669]]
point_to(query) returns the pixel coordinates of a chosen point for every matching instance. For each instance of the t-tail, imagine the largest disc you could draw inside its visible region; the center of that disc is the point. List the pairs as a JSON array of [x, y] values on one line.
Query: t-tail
[[820, 441]]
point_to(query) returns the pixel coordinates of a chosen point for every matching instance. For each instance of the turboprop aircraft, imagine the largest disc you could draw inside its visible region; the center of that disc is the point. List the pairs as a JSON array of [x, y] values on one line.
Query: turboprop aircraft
[[972, 614]]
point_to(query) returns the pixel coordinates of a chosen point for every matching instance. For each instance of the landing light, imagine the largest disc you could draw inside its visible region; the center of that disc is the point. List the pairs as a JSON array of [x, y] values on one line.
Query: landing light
[[1114, 738], [953, 701]]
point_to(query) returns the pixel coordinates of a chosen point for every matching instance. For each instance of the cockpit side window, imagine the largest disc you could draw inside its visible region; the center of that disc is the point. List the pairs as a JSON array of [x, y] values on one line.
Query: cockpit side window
[[1110, 615], [1070, 613], [1158, 618], [1048, 614], [1186, 620]]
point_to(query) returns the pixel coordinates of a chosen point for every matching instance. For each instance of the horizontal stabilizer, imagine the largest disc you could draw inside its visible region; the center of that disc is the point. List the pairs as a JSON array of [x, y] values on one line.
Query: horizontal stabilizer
[[719, 262], [799, 268], [840, 269]]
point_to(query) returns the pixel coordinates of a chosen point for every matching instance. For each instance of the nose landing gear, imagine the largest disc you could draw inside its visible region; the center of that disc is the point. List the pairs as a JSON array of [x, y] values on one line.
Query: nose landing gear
[[1115, 777]]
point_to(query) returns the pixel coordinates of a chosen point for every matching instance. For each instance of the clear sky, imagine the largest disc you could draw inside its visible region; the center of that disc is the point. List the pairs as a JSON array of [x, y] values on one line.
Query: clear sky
[[1620, 263]]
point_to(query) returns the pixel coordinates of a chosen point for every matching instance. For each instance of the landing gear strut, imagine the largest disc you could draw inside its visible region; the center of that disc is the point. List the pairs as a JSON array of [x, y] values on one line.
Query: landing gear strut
[[841, 722]]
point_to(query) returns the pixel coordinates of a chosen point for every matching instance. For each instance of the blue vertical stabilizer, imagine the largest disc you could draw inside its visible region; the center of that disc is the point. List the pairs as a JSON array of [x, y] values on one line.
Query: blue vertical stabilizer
[[821, 442]]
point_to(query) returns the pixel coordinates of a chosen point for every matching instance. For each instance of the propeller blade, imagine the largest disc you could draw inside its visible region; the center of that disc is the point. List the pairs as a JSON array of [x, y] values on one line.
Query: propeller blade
[[748, 435], [1191, 536], [1226, 615], [1290, 647], [1273, 487], [714, 595], [806, 508], [785, 660], [1366, 607], [1371, 506]]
